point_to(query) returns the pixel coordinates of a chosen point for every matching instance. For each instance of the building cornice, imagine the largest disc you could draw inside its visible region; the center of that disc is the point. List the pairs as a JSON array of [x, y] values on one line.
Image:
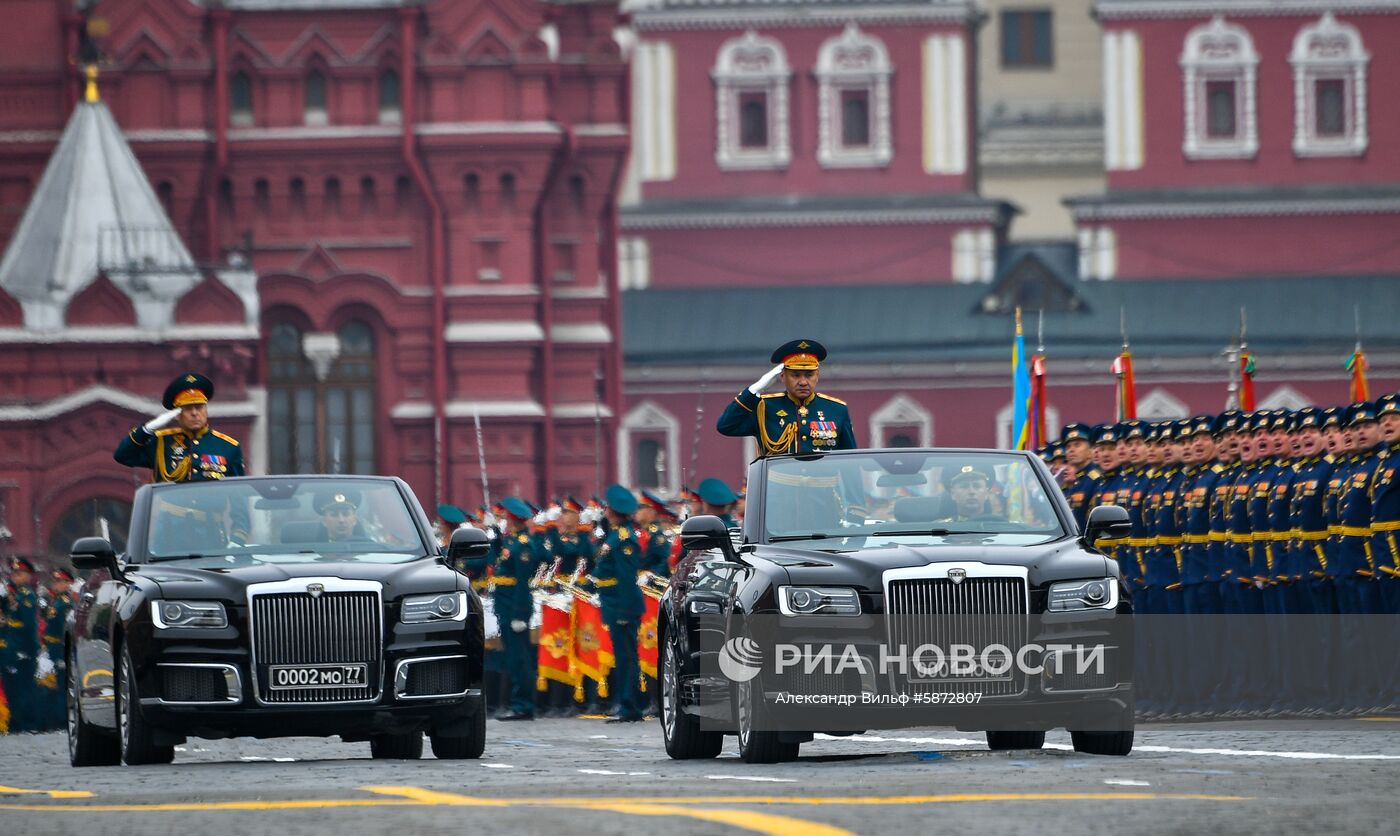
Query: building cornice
[[791, 15], [85, 399], [1146, 9], [1089, 209], [89, 335], [640, 220]]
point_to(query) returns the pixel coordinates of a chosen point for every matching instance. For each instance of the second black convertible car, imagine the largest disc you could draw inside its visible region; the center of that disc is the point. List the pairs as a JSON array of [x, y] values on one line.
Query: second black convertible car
[[851, 561], [334, 614]]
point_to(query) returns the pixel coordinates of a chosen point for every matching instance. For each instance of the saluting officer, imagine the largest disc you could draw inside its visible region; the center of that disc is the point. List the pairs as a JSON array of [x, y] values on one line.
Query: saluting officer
[[797, 420], [189, 451]]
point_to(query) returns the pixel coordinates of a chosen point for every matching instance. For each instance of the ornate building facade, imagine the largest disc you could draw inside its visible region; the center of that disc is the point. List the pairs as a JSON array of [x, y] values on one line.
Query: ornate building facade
[[421, 198]]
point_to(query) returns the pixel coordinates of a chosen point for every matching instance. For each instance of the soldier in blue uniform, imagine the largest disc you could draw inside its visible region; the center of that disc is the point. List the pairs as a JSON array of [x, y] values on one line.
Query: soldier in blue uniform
[[60, 603], [20, 647], [1077, 439], [797, 420], [1385, 509], [1352, 565], [517, 558], [1201, 596], [615, 577], [1111, 485]]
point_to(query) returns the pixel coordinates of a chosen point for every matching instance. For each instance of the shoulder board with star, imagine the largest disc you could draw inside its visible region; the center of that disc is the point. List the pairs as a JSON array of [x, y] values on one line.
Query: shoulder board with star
[[1329, 458], [774, 395], [1217, 468], [1094, 473], [230, 439], [830, 398], [169, 431]]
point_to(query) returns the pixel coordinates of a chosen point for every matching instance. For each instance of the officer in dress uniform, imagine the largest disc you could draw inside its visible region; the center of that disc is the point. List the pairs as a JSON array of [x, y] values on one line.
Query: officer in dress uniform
[[517, 558], [615, 577], [1109, 490], [1385, 508], [1201, 595], [20, 647], [1352, 565], [189, 451], [653, 517], [797, 420], [60, 603], [1077, 439], [573, 544], [718, 499]]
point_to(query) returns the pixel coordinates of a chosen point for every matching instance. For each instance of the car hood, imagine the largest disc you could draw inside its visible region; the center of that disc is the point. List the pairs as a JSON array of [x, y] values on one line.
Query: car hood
[[1059, 560], [420, 576]]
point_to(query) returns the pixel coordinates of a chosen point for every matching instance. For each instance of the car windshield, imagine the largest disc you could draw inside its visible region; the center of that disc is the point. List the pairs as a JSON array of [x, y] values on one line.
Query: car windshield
[[282, 520], [892, 498]]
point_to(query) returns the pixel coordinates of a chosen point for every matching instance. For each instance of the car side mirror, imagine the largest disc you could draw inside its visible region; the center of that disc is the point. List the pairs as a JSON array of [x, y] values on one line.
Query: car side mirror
[[707, 532], [1107, 522], [90, 554], [467, 543]]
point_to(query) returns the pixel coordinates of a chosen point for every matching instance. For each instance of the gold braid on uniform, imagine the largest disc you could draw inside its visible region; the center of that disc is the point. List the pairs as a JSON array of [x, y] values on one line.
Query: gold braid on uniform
[[785, 440], [181, 471]]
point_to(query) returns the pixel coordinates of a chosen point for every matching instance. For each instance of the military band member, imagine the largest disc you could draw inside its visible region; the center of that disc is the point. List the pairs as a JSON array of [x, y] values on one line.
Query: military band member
[[798, 420], [654, 519], [20, 647], [517, 558], [60, 603], [718, 499], [615, 576]]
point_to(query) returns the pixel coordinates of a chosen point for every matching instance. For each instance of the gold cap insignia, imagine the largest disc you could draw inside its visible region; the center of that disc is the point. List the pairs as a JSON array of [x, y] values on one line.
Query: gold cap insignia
[[340, 497], [804, 344], [189, 378]]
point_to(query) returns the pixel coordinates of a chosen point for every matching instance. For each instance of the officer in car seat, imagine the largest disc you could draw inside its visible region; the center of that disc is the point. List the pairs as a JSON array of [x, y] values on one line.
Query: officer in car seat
[[340, 520], [970, 486]]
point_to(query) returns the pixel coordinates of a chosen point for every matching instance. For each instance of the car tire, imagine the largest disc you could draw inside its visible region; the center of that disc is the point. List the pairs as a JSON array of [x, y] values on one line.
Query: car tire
[[137, 738], [464, 747], [87, 745], [1116, 743], [396, 747], [757, 746], [684, 738], [1002, 741]]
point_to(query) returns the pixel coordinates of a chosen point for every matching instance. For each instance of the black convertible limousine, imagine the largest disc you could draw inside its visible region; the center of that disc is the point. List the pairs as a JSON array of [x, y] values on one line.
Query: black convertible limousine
[[337, 614], [857, 556]]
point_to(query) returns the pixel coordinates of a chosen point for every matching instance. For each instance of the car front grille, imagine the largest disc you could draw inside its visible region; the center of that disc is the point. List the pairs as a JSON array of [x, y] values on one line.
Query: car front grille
[[190, 684], [980, 612], [301, 629], [436, 677]]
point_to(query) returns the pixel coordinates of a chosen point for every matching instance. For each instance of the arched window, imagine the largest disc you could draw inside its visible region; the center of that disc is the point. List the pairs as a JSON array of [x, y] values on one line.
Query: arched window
[[1329, 90], [751, 103], [321, 399], [369, 201], [262, 194], [297, 191], [240, 100], [647, 465], [471, 191], [314, 98], [507, 185], [389, 108], [332, 194], [853, 71], [1219, 64]]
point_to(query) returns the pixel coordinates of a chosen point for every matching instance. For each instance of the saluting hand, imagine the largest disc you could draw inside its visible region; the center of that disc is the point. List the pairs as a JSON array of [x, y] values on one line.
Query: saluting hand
[[762, 383], [160, 420]]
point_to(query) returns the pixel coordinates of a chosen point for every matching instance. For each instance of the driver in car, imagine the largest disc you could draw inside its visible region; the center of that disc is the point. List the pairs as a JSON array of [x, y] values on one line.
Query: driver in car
[[970, 486], [340, 517]]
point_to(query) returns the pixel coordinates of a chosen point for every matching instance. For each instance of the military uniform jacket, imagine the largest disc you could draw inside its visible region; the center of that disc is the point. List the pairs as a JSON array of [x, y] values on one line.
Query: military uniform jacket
[[1260, 530], [1238, 531], [173, 455], [1280, 522], [1308, 517], [55, 614], [615, 576], [1082, 491], [782, 425], [19, 630], [657, 553], [1220, 497], [572, 547], [1354, 555], [1385, 513], [1193, 514], [518, 556]]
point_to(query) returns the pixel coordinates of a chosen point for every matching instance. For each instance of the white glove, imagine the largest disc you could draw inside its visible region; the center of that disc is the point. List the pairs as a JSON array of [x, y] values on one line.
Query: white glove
[[518, 626], [160, 420], [44, 667], [762, 383]]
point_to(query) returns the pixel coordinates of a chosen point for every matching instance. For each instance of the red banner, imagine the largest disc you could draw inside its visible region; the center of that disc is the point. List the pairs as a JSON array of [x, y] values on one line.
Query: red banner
[[593, 650], [1247, 382], [646, 639], [556, 648]]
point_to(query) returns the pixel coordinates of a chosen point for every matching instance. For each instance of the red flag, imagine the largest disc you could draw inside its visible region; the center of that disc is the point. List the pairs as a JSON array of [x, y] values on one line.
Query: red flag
[[1038, 437], [1247, 382], [593, 649], [556, 647], [1127, 397], [1356, 364], [646, 638]]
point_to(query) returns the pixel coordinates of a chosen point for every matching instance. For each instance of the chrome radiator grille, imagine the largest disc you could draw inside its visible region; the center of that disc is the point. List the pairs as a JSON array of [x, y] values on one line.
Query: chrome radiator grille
[[980, 612], [299, 629]]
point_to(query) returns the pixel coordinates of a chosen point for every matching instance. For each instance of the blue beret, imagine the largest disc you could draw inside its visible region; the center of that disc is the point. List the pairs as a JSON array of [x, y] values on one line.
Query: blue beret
[[517, 507], [715, 492], [620, 500], [451, 514]]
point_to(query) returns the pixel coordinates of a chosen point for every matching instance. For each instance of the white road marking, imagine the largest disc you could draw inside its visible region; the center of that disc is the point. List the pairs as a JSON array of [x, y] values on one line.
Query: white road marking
[[1125, 782], [1065, 747], [752, 778], [257, 758], [497, 766], [611, 772], [597, 737]]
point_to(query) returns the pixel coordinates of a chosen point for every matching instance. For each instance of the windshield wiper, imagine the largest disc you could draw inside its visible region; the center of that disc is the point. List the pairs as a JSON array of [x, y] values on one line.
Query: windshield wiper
[[935, 532], [786, 538], [193, 556]]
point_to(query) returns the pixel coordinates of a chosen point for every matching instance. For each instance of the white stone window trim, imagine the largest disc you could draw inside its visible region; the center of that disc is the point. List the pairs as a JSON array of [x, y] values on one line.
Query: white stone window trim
[[901, 411], [1325, 51], [1161, 405], [648, 416], [836, 75], [732, 79], [1003, 428], [1220, 51]]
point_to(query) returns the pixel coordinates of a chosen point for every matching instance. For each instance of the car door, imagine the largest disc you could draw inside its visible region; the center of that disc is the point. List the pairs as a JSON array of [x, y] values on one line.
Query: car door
[[94, 623]]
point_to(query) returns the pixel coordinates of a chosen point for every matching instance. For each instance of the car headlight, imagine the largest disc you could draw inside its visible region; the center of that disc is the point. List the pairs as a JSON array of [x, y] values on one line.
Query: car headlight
[[167, 614], [1067, 596], [422, 609], [818, 600]]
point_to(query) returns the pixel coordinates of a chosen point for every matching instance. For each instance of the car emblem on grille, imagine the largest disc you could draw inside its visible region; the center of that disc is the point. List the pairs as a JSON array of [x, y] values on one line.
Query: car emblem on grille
[[957, 575], [315, 589]]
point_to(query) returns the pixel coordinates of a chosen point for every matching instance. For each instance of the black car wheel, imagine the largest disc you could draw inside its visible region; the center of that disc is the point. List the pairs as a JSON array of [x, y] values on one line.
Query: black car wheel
[[398, 747], [1103, 743], [138, 744], [758, 746], [467, 746], [685, 740], [1001, 741], [87, 745]]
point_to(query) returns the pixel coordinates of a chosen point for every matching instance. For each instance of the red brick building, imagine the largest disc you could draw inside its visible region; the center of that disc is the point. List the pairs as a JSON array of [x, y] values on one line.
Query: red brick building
[[425, 193]]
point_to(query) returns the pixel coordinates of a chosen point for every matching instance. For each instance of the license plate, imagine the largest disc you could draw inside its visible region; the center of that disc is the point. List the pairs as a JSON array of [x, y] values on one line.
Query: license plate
[[288, 677]]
